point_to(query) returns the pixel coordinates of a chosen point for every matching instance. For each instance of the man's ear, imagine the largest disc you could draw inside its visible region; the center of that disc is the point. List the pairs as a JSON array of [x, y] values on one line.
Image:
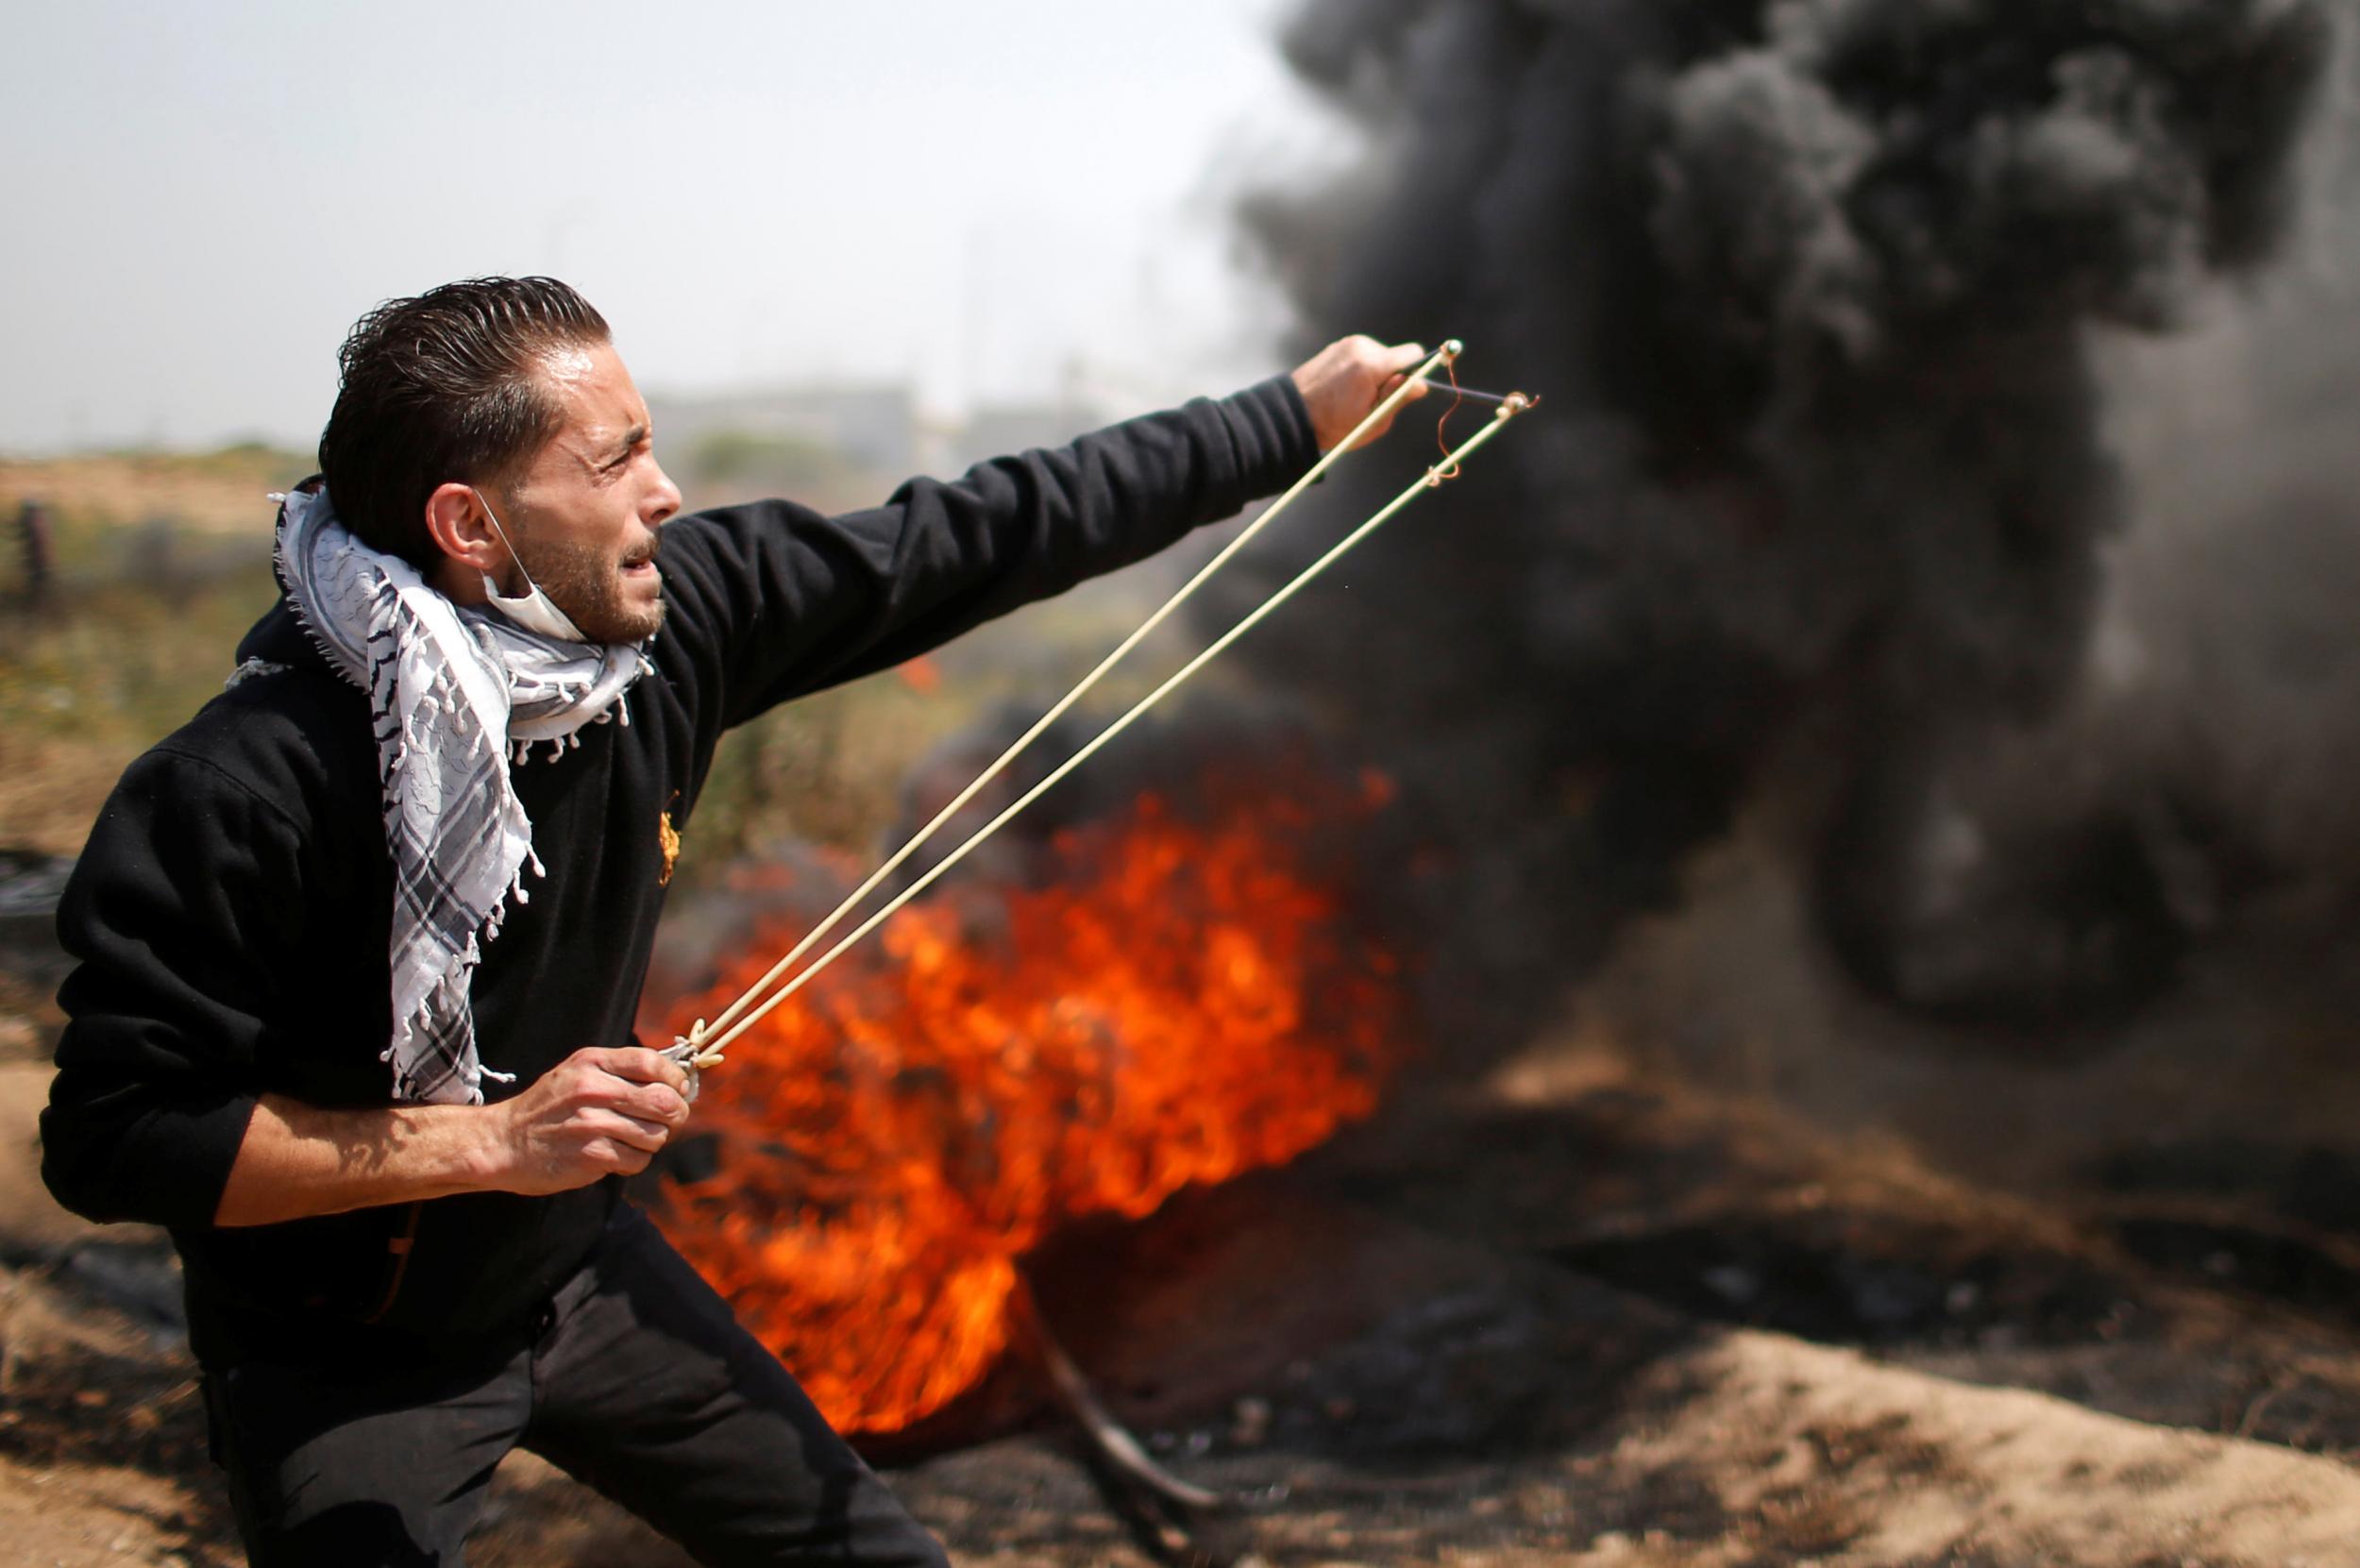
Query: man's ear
[[461, 530]]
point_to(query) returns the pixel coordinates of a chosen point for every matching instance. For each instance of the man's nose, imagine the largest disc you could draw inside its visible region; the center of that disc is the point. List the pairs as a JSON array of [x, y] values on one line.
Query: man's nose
[[663, 500]]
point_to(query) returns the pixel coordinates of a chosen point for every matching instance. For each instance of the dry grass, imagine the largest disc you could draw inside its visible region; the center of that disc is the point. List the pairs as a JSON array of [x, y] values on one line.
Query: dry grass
[[215, 493]]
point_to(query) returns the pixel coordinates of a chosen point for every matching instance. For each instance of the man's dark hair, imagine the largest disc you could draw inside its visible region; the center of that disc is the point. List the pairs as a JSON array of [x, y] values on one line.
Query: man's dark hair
[[444, 387]]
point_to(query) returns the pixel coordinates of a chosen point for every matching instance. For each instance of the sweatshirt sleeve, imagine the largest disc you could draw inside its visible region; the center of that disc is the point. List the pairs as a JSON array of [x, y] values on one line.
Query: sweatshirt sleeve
[[175, 910], [779, 601]]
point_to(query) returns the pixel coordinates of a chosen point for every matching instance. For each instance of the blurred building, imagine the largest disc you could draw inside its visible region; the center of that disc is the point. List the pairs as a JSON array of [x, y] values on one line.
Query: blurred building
[[994, 429], [824, 443], [868, 426]]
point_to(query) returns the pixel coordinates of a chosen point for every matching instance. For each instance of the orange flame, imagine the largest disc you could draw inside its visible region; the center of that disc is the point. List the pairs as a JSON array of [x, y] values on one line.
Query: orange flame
[[1177, 1008]]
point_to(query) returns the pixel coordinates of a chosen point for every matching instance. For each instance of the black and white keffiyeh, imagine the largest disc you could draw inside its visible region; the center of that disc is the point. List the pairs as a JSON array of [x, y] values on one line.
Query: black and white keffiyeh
[[457, 693]]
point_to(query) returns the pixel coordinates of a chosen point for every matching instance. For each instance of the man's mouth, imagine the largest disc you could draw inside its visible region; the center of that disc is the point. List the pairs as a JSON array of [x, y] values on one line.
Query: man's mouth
[[641, 562]]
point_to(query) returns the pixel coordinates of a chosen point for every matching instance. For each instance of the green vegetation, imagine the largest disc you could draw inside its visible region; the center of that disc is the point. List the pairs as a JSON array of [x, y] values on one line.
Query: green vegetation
[[141, 621], [120, 665]]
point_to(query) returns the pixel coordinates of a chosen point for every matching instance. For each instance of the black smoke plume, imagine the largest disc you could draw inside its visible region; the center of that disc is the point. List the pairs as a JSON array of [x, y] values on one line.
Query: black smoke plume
[[1810, 287]]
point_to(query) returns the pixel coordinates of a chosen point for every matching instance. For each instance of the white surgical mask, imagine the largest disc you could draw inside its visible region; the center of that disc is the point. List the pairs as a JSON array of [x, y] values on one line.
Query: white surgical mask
[[535, 610]]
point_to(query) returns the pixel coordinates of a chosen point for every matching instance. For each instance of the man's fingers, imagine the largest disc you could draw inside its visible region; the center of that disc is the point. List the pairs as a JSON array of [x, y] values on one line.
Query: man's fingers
[[658, 1103], [635, 1062], [623, 1128], [626, 1158], [642, 1066]]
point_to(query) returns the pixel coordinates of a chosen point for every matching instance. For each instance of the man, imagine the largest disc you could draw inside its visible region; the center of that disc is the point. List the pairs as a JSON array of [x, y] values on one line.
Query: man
[[36, 550], [387, 1145]]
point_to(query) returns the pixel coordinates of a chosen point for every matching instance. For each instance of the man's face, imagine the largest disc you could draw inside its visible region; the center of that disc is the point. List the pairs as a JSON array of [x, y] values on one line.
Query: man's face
[[584, 511]]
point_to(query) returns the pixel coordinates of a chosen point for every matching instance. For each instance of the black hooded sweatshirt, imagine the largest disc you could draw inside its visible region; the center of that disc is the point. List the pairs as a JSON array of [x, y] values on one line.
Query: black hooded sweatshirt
[[230, 913]]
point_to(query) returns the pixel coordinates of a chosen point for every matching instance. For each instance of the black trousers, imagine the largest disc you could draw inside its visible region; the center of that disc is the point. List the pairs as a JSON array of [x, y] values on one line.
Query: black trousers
[[641, 1383]]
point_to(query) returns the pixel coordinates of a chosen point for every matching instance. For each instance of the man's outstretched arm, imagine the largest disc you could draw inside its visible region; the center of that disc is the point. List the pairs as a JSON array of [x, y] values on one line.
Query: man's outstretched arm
[[773, 601]]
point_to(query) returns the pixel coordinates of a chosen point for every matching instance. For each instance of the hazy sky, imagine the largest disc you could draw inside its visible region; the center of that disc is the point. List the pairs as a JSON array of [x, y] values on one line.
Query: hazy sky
[[203, 194]]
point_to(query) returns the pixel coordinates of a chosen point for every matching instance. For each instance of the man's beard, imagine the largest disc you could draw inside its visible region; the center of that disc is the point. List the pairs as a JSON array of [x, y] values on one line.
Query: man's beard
[[588, 585]]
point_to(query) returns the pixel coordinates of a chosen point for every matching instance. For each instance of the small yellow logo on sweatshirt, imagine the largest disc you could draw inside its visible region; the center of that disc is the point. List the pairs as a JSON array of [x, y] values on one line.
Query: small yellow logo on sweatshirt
[[668, 838]]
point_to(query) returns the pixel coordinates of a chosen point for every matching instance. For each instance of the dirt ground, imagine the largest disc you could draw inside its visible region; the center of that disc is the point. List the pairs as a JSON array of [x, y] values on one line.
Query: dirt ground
[[1729, 1269]]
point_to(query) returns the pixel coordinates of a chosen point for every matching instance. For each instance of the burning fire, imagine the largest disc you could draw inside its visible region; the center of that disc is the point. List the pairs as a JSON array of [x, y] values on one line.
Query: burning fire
[[1176, 1007]]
